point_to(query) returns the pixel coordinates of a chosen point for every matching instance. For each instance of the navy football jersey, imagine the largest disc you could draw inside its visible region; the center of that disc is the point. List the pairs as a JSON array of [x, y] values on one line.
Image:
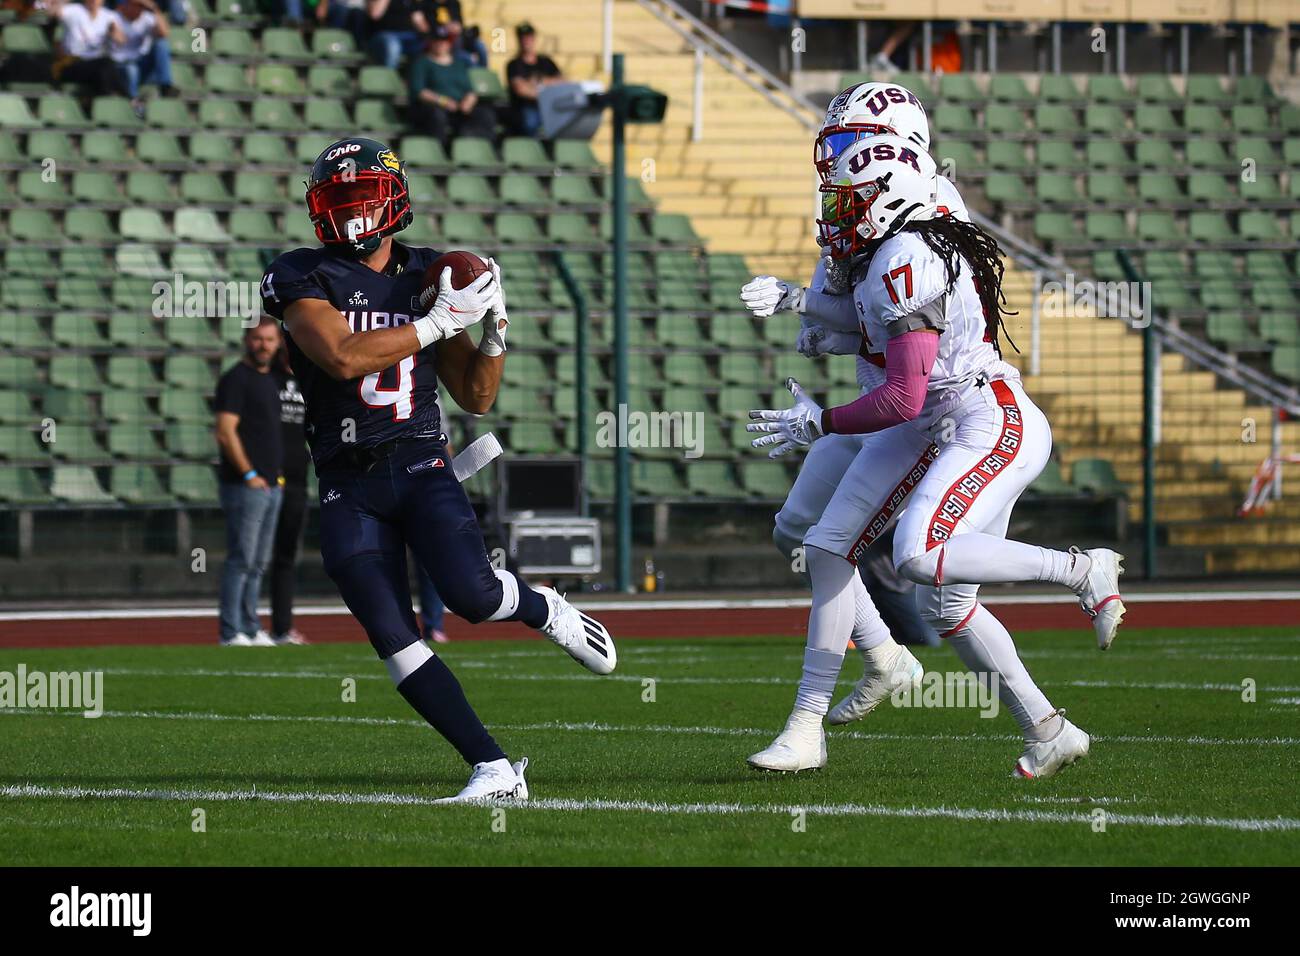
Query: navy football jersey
[[399, 402]]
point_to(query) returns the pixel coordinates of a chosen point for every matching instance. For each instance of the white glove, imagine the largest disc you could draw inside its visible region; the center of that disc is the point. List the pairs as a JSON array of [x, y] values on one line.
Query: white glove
[[455, 309], [496, 322], [787, 428], [764, 295], [815, 340]]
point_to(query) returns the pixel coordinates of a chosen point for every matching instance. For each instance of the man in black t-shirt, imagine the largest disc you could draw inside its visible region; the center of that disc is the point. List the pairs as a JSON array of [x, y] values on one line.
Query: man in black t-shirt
[[393, 31], [526, 74], [293, 507], [251, 475]]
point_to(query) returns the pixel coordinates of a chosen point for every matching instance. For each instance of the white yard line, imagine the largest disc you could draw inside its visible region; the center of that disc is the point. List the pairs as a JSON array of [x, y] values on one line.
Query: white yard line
[[603, 728], [562, 805], [650, 604], [496, 674]]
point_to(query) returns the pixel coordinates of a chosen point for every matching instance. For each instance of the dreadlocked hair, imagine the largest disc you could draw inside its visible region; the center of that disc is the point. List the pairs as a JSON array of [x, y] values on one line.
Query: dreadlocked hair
[[950, 238]]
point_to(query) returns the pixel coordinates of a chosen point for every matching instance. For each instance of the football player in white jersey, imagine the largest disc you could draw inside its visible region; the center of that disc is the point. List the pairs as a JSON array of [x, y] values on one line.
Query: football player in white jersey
[[829, 325], [950, 441]]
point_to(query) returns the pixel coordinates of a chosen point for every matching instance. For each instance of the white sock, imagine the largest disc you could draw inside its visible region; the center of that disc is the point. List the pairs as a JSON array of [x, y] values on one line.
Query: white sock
[[869, 629], [986, 648], [977, 558], [830, 622]]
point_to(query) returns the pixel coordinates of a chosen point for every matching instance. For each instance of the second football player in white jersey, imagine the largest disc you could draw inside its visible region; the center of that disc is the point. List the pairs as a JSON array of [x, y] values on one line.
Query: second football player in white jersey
[[950, 442]]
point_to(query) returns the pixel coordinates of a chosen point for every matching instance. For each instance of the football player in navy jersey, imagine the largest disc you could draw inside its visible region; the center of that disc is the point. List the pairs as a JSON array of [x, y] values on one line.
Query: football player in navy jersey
[[368, 355]]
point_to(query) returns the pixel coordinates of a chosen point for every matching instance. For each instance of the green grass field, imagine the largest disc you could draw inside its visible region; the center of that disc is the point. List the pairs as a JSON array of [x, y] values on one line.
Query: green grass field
[[286, 772]]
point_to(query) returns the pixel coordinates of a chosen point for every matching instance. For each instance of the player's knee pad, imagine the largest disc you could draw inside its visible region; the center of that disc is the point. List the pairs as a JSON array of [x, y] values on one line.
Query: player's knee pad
[[945, 609], [477, 599]]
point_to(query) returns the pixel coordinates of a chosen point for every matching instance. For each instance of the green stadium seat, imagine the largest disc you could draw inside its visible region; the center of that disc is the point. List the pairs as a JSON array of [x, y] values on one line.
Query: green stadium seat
[[331, 80], [133, 441], [274, 113], [1005, 187], [1011, 120], [203, 188], [23, 331], [959, 87], [67, 405], [470, 189], [138, 485], [190, 441], [77, 484], [1107, 227], [1058, 188], [381, 81], [473, 153], [1006, 155], [229, 78], [1207, 154], [22, 486], [574, 190], [1253, 88], [1156, 153], [486, 83], [77, 443], [59, 109], [144, 224], [329, 42], [24, 293], [1009, 88], [1263, 188], [1053, 227], [25, 261], [24, 38], [1108, 88], [1152, 120], [523, 190], [19, 371], [194, 484], [20, 443], [254, 225], [160, 149], [1205, 226], [126, 407], [91, 225], [1205, 120], [188, 371], [275, 79], [221, 114], [1058, 88], [265, 149], [79, 293], [1259, 226], [1156, 225], [50, 144], [115, 112], [131, 371], [84, 261], [1103, 118], [255, 187], [954, 119], [1051, 481], [1097, 476], [424, 151], [1282, 328], [1205, 88], [568, 227], [95, 187], [575, 154], [379, 114], [1250, 118], [517, 227], [1285, 362], [671, 227], [1158, 188], [232, 42], [1156, 88], [1267, 264], [524, 152], [15, 114], [468, 228], [1210, 187], [1100, 153], [168, 114], [1256, 148]]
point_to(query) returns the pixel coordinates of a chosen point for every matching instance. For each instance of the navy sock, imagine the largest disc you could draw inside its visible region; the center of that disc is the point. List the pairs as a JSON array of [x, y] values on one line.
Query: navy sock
[[436, 695], [533, 609]]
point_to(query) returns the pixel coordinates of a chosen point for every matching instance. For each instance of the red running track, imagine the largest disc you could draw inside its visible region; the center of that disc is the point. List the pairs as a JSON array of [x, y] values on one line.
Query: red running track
[[649, 622]]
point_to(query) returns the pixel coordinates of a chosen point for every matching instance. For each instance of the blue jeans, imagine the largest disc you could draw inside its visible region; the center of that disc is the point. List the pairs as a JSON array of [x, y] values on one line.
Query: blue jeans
[[251, 515], [387, 46], [153, 67]]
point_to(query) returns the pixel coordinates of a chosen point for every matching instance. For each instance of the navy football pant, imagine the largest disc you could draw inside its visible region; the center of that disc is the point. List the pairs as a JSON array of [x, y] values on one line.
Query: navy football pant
[[367, 519]]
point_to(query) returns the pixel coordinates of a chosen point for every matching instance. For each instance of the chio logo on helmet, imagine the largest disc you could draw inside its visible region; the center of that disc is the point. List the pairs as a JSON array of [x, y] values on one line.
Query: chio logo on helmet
[[338, 151]]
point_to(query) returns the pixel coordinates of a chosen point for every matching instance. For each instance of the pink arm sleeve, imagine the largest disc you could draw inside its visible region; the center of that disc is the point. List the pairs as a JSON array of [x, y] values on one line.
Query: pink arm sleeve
[[908, 360]]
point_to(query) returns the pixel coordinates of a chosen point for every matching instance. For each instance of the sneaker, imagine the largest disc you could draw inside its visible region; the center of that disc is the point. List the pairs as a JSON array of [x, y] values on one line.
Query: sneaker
[[239, 640], [801, 746], [1043, 758], [1100, 598], [292, 637], [883, 64], [583, 637], [494, 780], [261, 639]]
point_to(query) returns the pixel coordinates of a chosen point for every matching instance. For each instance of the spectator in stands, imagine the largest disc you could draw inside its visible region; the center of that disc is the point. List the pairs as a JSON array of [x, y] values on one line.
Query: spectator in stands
[[144, 55], [89, 31], [393, 31], [883, 61], [468, 45], [250, 438], [443, 101], [293, 507], [347, 15], [526, 74]]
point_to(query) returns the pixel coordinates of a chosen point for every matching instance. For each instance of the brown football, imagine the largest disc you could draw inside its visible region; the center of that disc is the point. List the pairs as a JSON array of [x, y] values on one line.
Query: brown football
[[465, 268]]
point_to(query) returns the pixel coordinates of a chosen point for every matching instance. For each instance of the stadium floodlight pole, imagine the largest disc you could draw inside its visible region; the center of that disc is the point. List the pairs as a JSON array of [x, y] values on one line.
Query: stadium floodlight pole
[[579, 300], [622, 463], [1150, 356]]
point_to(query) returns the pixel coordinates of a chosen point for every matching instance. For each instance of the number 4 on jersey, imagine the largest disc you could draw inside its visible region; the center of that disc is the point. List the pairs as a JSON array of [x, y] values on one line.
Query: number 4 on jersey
[[399, 396], [905, 270]]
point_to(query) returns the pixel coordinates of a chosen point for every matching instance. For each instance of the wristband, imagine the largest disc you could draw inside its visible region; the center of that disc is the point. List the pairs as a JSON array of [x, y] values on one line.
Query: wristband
[[425, 331], [250, 474]]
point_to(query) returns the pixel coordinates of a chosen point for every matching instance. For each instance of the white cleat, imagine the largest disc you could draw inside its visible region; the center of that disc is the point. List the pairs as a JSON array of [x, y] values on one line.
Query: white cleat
[[1044, 758], [1100, 598], [584, 638], [801, 746], [496, 780], [878, 683]]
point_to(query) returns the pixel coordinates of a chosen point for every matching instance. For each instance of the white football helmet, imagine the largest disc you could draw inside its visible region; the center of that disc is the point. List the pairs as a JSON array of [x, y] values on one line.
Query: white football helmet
[[875, 188], [869, 109]]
